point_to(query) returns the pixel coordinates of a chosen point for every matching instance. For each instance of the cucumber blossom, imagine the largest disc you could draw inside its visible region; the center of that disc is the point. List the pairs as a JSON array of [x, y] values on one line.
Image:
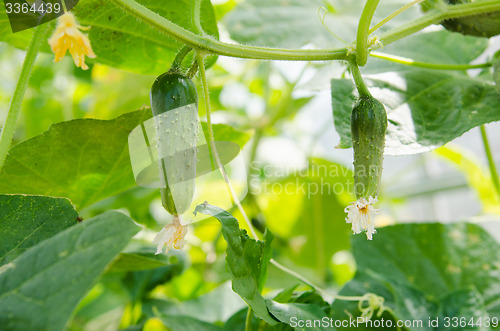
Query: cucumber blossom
[[174, 103], [368, 127]]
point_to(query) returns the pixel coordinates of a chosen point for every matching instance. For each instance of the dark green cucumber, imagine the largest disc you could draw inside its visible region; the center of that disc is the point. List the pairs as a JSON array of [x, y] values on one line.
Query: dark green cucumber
[[368, 127], [176, 127]]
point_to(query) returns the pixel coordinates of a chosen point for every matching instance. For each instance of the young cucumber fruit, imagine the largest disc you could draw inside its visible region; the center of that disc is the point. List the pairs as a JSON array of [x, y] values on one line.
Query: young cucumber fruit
[[174, 103], [368, 127]]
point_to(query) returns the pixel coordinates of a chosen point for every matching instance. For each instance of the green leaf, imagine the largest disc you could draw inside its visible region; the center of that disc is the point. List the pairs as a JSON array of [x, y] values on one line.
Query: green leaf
[[138, 261], [246, 260], [85, 160], [120, 40], [427, 270], [40, 288], [26, 221], [291, 313], [425, 109], [477, 175]]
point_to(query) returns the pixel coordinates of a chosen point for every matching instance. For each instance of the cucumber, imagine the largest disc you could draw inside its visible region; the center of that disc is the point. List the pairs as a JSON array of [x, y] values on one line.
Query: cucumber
[[368, 128], [174, 102]]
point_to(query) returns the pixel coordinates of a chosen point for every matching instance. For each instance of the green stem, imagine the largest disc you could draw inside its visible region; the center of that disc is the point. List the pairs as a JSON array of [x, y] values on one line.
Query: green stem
[[440, 66], [363, 31], [197, 17], [358, 79], [394, 14], [435, 16], [22, 84], [181, 54], [265, 53], [491, 161], [248, 322]]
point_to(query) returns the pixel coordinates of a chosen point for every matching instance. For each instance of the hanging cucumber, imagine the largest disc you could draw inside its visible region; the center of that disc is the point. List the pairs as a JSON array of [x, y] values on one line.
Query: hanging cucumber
[[368, 128], [174, 104]]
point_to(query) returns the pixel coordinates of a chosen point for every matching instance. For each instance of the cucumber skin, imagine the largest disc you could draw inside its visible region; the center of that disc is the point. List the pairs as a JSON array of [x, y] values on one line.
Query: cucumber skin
[[368, 128], [171, 91]]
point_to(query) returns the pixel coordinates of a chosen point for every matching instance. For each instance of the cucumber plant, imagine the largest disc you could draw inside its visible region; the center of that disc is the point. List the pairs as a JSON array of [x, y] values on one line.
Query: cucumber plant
[[397, 88]]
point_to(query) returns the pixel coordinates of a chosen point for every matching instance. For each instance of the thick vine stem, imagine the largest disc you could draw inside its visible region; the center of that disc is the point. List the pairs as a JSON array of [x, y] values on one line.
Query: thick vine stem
[[363, 31], [265, 53], [217, 47], [17, 100]]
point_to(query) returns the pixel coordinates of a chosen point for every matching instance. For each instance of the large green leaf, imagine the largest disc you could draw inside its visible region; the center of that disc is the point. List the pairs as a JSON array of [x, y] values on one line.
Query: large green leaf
[[120, 40], [40, 289], [427, 270], [26, 221], [246, 260], [425, 109], [85, 160]]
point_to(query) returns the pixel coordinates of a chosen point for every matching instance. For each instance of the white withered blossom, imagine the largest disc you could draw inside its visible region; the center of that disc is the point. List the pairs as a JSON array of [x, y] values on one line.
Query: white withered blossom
[[360, 213], [172, 235]]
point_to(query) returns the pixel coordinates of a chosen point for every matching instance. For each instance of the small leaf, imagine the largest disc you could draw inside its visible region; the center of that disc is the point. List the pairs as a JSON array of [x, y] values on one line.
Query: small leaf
[[85, 160], [26, 221], [424, 111], [246, 260], [291, 313], [40, 289]]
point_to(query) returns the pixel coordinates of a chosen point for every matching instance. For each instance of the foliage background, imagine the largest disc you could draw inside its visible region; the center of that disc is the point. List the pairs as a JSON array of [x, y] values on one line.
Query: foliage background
[[71, 143]]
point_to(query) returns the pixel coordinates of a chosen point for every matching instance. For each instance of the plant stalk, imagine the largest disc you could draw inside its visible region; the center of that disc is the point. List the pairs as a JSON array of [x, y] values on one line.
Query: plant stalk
[[17, 100], [491, 160], [363, 31]]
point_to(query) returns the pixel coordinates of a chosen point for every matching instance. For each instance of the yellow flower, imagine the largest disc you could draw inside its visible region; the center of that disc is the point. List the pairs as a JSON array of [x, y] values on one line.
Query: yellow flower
[[171, 235], [67, 36]]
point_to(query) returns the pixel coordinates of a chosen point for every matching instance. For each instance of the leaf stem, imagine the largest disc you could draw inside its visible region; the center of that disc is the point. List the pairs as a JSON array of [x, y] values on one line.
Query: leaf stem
[[435, 16], [358, 79], [491, 160], [197, 17], [17, 100], [439, 66], [364, 30], [394, 14], [248, 321], [201, 65]]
